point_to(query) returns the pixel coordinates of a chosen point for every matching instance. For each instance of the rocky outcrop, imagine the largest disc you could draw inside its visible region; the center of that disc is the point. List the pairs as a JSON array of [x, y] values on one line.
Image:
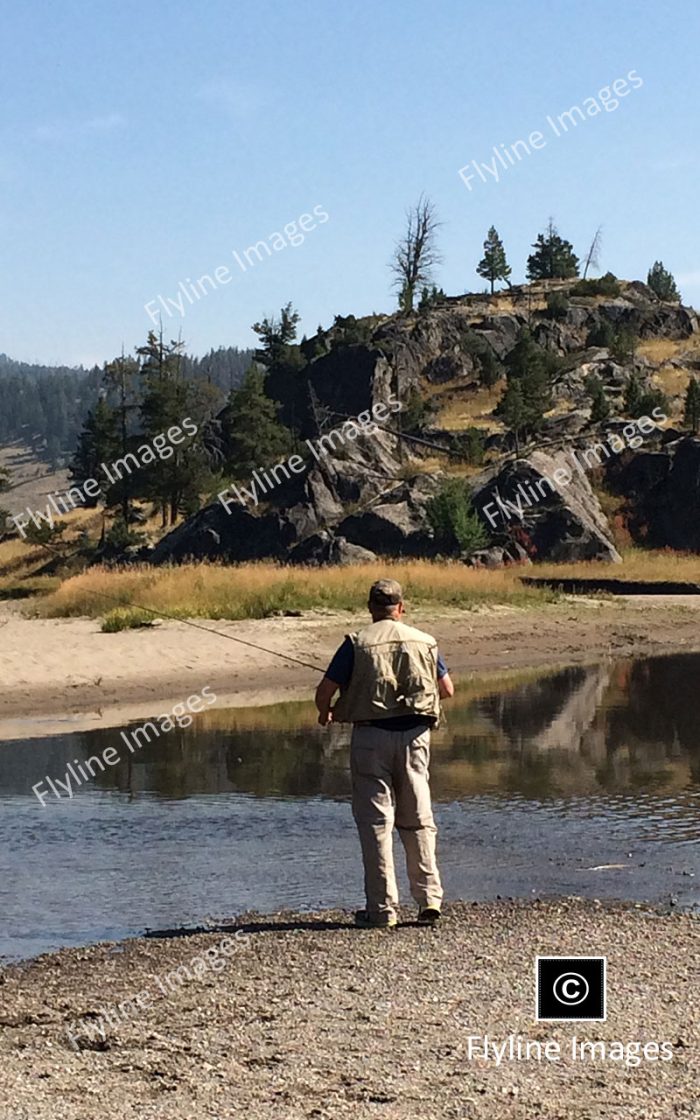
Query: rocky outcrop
[[355, 503], [662, 488], [397, 524], [297, 520], [547, 506]]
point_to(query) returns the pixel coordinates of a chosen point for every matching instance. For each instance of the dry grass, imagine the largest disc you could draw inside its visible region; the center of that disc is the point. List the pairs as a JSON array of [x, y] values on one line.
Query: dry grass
[[671, 380], [660, 349], [636, 564], [263, 589], [15, 552], [473, 409], [19, 563], [259, 590]]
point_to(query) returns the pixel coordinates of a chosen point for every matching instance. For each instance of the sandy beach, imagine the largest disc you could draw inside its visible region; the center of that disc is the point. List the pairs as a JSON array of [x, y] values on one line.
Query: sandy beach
[[310, 1018], [66, 670]]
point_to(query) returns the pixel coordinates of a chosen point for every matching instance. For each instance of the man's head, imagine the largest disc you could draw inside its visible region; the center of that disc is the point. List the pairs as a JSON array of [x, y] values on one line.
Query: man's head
[[385, 600]]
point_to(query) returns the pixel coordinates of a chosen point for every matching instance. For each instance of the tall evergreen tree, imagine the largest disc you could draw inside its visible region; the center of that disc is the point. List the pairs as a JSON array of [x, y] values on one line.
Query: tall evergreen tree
[[553, 258], [121, 379], [4, 513], [493, 265], [661, 282], [276, 335], [634, 396], [528, 367], [513, 411], [692, 404], [98, 443], [253, 435], [168, 399]]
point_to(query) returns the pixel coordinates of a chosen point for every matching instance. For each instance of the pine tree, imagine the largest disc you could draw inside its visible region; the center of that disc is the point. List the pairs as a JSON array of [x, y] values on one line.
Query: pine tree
[[173, 479], [493, 265], [513, 412], [455, 523], [692, 405], [553, 258], [121, 378], [600, 405], [97, 444], [661, 282], [253, 435], [4, 513], [528, 367], [276, 335], [634, 395]]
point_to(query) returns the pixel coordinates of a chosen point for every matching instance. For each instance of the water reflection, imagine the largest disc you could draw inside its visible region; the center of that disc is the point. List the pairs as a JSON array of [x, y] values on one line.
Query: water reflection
[[574, 732]]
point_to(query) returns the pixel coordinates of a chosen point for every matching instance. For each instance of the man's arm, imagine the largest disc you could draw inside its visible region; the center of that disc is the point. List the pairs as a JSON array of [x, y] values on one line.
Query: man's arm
[[324, 698], [337, 676], [446, 687]]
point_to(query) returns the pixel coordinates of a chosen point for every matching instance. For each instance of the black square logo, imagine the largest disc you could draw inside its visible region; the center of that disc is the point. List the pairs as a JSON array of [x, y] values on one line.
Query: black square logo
[[570, 988]]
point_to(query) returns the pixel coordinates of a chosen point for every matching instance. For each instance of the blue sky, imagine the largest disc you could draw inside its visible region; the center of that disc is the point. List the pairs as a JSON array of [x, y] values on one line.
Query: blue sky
[[141, 143]]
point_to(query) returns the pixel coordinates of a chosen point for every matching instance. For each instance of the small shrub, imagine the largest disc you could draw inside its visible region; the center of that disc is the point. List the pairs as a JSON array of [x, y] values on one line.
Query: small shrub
[[453, 519], [490, 369], [470, 445], [347, 330], [126, 618], [431, 297], [557, 305], [120, 537], [607, 285], [45, 533], [417, 412], [639, 401], [600, 405], [623, 346], [602, 334]]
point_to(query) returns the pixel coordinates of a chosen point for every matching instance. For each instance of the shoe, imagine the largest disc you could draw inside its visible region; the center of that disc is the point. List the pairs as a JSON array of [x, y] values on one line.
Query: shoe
[[365, 920], [429, 916]]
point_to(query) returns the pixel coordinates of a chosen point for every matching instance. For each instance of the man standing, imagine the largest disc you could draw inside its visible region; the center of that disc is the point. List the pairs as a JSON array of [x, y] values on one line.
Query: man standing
[[391, 680]]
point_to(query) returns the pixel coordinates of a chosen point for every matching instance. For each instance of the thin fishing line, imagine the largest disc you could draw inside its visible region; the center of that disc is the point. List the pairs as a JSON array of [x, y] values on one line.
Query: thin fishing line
[[189, 622]]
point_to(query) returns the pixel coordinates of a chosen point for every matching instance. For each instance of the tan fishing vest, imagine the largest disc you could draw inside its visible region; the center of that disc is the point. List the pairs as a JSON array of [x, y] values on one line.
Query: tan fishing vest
[[394, 674]]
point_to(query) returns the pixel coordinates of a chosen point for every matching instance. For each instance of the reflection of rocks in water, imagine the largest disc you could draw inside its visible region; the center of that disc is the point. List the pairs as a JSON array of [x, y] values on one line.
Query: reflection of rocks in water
[[661, 708], [553, 713], [586, 729]]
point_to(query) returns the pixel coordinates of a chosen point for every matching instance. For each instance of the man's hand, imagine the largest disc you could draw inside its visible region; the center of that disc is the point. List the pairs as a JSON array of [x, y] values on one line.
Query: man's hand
[[324, 698]]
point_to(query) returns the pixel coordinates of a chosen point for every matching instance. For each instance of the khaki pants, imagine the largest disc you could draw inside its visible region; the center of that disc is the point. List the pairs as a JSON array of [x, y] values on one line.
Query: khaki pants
[[390, 785]]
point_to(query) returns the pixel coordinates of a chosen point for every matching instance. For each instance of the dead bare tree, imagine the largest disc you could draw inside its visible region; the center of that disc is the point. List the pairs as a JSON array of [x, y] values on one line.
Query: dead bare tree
[[591, 258], [416, 254]]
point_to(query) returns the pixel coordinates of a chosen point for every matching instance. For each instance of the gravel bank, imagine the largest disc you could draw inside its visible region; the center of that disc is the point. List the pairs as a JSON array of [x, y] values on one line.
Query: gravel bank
[[311, 1018]]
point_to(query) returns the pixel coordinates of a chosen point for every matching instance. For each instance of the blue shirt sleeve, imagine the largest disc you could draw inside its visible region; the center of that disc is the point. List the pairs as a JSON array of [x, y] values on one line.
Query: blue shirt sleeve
[[441, 667], [340, 669]]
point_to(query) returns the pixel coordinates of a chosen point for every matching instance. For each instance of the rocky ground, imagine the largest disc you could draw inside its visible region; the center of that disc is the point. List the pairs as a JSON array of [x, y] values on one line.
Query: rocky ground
[[311, 1018]]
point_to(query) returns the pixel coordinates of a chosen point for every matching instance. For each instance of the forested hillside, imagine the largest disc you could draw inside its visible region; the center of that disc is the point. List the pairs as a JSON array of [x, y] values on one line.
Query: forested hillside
[[45, 406]]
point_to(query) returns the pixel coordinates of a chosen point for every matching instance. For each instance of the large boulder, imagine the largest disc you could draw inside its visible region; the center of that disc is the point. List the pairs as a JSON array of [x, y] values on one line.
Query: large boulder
[[545, 503]]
